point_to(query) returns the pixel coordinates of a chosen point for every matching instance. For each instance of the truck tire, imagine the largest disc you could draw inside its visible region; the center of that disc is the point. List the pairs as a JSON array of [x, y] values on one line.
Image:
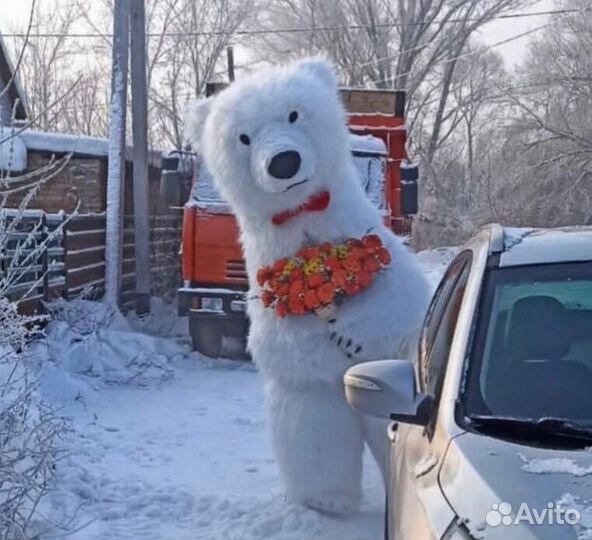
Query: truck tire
[[206, 337]]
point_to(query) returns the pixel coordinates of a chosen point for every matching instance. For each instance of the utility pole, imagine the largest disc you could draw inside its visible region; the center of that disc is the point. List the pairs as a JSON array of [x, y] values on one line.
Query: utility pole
[[116, 172], [140, 154], [230, 58]]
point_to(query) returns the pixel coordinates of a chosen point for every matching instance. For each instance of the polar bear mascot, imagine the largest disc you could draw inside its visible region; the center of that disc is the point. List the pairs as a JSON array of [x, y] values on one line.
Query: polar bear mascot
[[330, 285]]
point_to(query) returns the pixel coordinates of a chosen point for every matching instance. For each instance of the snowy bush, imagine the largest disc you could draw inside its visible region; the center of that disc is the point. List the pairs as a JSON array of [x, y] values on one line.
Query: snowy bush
[[29, 431]]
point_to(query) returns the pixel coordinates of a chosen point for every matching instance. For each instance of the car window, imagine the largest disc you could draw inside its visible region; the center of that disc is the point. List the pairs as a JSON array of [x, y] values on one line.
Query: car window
[[532, 353], [440, 325]]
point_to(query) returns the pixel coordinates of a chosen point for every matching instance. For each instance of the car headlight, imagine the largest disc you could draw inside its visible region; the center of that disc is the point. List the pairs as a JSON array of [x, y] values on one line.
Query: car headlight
[[457, 531], [212, 304]]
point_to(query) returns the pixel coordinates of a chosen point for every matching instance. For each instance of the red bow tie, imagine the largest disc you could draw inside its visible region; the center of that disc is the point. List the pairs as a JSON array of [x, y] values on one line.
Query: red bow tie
[[317, 203]]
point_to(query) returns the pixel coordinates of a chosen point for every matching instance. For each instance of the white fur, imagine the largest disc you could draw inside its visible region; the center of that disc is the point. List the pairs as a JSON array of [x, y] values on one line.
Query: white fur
[[317, 438]]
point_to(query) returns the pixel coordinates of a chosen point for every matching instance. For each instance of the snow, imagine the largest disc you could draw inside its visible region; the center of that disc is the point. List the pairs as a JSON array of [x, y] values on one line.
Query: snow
[[584, 509], [435, 261], [554, 466], [167, 444], [13, 152]]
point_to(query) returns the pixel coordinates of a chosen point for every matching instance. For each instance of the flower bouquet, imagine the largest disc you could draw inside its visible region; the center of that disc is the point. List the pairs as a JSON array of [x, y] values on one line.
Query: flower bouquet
[[318, 277]]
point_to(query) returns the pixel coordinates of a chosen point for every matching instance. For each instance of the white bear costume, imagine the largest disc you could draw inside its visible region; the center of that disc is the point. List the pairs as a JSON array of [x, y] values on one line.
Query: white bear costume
[[293, 113]]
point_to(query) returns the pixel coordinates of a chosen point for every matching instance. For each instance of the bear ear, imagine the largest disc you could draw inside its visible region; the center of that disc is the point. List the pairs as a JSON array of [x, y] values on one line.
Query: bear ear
[[196, 115], [321, 69]]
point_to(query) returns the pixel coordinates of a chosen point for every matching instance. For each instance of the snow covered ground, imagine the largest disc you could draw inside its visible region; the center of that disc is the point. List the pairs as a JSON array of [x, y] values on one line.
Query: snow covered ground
[[167, 445]]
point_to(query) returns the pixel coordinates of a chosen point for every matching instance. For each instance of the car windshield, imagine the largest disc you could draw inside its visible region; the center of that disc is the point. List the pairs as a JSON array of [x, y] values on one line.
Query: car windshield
[[532, 353]]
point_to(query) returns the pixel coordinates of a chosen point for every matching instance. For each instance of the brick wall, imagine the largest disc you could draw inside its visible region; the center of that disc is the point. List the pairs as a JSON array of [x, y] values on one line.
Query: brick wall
[[82, 179]]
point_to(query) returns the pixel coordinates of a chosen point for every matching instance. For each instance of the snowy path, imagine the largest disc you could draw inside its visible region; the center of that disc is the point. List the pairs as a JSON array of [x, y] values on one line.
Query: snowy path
[[190, 460], [183, 459]]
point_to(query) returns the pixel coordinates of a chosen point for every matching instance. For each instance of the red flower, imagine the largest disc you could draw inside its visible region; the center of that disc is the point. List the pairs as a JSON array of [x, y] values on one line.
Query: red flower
[[372, 241], [296, 274], [333, 263], [281, 309], [339, 278], [351, 288], [364, 279], [354, 242], [371, 264], [326, 293], [308, 253], [296, 305], [384, 256], [311, 300], [263, 275], [315, 280], [278, 266], [352, 264], [282, 289], [267, 298], [358, 253], [297, 287]]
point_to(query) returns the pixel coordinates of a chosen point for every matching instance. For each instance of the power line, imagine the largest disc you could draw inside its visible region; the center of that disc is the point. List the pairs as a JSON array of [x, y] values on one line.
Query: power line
[[263, 31]]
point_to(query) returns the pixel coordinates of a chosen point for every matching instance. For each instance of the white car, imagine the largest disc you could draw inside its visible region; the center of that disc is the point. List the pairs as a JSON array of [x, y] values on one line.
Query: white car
[[492, 425]]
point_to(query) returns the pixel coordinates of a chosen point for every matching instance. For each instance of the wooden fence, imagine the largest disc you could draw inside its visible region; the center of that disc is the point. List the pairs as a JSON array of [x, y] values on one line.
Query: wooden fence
[[74, 258]]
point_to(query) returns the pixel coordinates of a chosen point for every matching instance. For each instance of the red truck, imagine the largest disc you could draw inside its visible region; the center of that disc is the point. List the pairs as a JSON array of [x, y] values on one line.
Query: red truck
[[214, 276]]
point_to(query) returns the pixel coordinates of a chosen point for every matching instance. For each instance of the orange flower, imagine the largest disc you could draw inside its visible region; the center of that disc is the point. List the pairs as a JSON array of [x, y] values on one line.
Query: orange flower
[[371, 264], [358, 253], [282, 289], [339, 278], [281, 309], [372, 241], [364, 279], [278, 266], [309, 253], [263, 275], [326, 293], [296, 274], [333, 263], [354, 242], [297, 287], [267, 298], [311, 300], [351, 288], [352, 264], [296, 305], [315, 280], [384, 256]]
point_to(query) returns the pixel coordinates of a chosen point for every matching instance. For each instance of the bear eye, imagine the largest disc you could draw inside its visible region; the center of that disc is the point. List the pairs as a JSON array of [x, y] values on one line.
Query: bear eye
[[245, 139], [293, 117]]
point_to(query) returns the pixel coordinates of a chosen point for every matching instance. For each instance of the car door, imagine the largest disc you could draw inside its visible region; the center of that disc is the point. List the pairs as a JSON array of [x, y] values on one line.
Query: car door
[[417, 506]]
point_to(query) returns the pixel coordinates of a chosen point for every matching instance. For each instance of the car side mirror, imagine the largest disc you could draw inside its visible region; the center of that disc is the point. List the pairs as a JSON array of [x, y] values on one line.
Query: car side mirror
[[387, 389]]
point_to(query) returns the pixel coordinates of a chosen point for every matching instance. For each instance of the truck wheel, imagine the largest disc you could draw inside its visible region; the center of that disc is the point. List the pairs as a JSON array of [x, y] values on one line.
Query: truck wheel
[[206, 337]]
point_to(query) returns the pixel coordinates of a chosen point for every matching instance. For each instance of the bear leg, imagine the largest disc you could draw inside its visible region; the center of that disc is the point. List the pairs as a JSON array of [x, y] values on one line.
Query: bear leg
[[376, 437], [318, 442]]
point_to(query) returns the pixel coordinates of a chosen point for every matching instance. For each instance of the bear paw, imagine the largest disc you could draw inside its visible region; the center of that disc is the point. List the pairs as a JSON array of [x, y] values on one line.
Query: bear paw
[[331, 505], [346, 344]]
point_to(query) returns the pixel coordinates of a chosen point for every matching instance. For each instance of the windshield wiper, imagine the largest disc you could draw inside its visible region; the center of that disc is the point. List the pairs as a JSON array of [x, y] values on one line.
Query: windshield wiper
[[548, 427]]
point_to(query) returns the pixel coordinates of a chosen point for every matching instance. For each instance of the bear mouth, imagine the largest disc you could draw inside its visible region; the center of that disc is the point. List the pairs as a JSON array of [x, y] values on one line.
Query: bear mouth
[[296, 184]]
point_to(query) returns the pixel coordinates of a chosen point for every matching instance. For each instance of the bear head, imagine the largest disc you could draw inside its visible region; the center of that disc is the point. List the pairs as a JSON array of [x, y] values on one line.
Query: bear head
[[274, 138]]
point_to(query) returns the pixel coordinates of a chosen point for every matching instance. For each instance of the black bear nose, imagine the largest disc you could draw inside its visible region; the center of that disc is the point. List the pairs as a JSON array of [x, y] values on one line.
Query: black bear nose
[[284, 165]]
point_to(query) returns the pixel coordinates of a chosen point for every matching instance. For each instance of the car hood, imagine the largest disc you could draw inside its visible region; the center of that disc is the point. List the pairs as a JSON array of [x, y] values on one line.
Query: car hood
[[479, 472]]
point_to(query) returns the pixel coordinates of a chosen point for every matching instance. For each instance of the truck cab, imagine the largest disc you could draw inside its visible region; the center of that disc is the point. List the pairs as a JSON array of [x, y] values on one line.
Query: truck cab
[[214, 275]]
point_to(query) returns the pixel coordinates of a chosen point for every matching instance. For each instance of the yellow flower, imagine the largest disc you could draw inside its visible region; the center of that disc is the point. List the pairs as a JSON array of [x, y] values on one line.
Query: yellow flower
[[311, 267]]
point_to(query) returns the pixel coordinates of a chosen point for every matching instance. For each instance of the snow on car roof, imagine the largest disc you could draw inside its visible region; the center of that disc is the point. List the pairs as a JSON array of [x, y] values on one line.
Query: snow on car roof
[[535, 246]]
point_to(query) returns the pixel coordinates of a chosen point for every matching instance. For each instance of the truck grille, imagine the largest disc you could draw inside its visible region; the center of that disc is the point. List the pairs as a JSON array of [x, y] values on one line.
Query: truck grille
[[235, 270]]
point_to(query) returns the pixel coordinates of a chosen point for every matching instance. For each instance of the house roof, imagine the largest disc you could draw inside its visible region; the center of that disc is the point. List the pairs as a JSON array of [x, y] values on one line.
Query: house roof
[[7, 75], [66, 143]]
